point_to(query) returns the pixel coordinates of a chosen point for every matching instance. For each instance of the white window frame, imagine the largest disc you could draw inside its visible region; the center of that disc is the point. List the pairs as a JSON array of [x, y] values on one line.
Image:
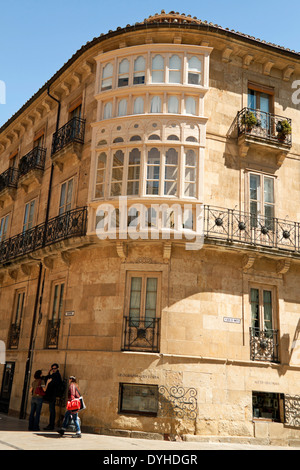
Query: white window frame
[[67, 204], [261, 203], [28, 223], [4, 223]]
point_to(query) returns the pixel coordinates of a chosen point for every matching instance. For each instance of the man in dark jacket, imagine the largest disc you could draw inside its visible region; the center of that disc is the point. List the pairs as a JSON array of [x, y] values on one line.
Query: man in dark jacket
[[52, 392]]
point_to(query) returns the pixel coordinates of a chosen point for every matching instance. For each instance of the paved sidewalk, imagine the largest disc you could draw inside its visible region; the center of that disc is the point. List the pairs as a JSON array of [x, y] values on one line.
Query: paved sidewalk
[[15, 436]]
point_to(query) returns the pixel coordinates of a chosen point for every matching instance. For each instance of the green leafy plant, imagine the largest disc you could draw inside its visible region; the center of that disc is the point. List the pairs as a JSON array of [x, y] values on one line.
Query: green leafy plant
[[249, 120], [283, 128]]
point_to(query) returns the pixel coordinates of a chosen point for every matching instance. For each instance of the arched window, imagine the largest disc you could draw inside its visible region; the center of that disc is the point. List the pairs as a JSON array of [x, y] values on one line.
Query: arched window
[[107, 113], [107, 74], [175, 69], [117, 173], [173, 105], [139, 71], [153, 137], [153, 171], [122, 107], [194, 71], [138, 106], [101, 168], [155, 106], [190, 173], [190, 105], [171, 172], [133, 178], [135, 138], [157, 69], [123, 73]]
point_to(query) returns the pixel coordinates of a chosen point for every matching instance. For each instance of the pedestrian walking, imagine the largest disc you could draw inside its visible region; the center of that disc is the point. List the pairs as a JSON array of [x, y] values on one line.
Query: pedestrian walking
[[52, 392], [73, 392], [38, 390]]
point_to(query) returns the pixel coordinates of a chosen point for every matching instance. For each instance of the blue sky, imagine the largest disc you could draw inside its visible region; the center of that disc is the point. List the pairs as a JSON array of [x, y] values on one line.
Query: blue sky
[[37, 37]]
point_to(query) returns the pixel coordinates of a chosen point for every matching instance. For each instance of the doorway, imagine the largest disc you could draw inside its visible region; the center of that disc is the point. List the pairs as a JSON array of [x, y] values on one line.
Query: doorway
[[7, 381]]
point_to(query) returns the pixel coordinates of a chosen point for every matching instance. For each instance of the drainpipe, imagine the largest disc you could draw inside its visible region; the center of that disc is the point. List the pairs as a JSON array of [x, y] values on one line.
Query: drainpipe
[[52, 166], [31, 344]]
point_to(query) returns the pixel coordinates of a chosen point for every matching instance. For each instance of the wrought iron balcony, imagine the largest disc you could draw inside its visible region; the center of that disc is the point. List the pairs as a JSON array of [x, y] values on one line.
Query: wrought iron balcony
[[244, 228], [34, 160], [141, 335], [265, 126], [14, 335], [73, 131], [9, 179], [52, 334], [70, 224], [263, 345]]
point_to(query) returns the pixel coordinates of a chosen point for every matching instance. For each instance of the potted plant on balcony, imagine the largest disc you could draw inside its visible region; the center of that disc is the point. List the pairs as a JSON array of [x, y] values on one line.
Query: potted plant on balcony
[[249, 120], [283, 129]]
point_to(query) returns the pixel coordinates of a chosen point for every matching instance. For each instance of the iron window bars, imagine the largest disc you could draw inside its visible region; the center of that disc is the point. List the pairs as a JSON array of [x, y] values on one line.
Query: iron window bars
[[35, 159], [141, 335], [234, 226], [265, 126], [264, 345], [70, 224], [9, 178], [73, 131]]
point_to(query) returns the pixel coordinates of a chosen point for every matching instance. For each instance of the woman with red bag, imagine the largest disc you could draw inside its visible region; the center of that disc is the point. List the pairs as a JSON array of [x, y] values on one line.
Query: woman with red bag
[[38, 390], [73, 394]]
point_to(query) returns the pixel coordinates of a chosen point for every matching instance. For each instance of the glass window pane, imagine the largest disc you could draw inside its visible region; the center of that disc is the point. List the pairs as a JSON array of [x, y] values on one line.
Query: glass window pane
[[139, 64], [138, 107], [175, 62], [157, 77], [190, 105], [194, 64], [151, 294], [255, 187], [122, 108], [135, 298], [107, 114], [124, 66], [251, 99], [174, 77], [269, 190], [173, 105], [190, 190], [155, 106], [254, 299], [267, 298], [157, 62]]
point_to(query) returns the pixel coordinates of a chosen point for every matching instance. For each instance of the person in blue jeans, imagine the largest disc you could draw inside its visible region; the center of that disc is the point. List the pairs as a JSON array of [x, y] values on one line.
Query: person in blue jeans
[[73, 392], [38, 390]]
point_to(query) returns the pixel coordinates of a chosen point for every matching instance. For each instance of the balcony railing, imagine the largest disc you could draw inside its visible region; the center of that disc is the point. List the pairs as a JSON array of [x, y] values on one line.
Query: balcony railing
[[73, 131], [263, 345], [9, 179], [70, 224], [52, 334], [244, 228], [141, 335], [35, 159], [264, 126]]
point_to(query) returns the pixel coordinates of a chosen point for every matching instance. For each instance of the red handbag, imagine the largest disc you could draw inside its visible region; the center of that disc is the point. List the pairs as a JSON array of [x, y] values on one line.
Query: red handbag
[[73, 405]]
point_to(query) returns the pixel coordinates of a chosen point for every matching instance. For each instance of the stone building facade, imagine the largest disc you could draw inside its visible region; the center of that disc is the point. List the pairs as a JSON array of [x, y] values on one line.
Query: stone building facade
[[149, 233]]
